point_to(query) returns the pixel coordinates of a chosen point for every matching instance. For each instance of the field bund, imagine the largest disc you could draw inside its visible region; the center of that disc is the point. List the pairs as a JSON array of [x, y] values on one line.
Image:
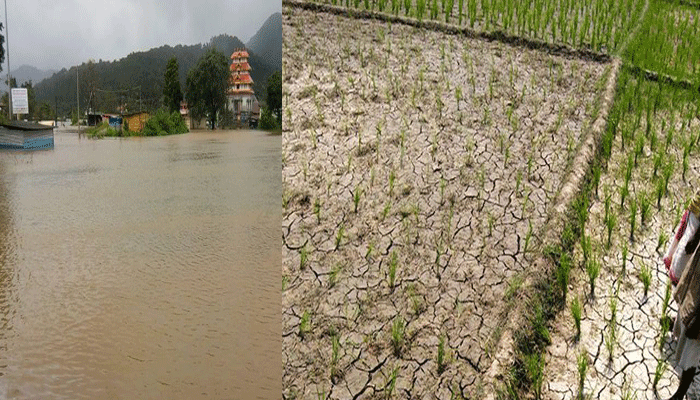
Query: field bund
[[419, 171]]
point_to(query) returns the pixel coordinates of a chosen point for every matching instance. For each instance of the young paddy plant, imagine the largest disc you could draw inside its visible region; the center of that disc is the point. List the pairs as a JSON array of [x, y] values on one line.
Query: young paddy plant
[[393, 265], [398, 328], [576, 311], [592, 270], [582, 367], [633, 218], [441, 365], [645, 277], [658, 373]]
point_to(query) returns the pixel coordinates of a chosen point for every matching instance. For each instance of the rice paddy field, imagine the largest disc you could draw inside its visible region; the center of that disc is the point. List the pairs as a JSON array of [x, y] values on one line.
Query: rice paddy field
[[478, 193]]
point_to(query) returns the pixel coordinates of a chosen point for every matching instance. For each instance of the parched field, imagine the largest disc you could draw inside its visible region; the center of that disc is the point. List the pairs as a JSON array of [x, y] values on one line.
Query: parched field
[[651, 176], [419, 170]]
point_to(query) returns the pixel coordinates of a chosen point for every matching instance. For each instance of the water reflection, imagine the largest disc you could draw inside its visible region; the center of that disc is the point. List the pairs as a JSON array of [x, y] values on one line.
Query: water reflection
[[142, 268]]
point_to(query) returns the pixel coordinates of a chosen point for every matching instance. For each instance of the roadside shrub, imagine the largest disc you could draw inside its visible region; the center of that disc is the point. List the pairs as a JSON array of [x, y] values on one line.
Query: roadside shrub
[[164, 123], [268, 122]]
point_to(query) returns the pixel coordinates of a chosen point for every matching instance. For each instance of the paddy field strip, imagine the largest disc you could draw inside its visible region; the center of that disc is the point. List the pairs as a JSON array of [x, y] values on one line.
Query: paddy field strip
[[419, 170], [598, 25]]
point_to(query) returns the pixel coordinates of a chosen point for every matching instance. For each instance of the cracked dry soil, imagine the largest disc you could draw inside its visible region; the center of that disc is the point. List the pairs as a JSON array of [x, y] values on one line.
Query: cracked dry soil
[[637, 346], [449, 190]]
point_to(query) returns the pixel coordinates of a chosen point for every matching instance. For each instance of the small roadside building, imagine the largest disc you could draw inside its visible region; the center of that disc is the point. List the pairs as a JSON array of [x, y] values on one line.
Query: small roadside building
[[134, 122], [25, 135]]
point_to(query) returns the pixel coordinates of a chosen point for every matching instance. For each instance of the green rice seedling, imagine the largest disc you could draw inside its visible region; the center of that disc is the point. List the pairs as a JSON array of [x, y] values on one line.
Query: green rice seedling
[[448, 10], [645, 277], [392, 179], [285, 282], [491, 222], [335, 356], [386, 210], [576, 311], [562, 273], [610, 224], [460, 8], [624, 192], [420, 9], [658, 160], [638, 148], [443, 185], [356, 197], [339, 236], [381, 4], [458, 95], [633, 217], [667, 172], [593, 270], [434, 10], [395, 7], [407, 7], [366, 4], [333, 275], [624, 258], [586, 247], [660, 190], [317, 210], [610, 342], [534, 367], [391, 383], [441, 356], [398, 328], [514, 285], [518, 181], [393, 264], [596, 177], [528, 236], [644, 207], [582, 364], [304, 324], [658, 373]]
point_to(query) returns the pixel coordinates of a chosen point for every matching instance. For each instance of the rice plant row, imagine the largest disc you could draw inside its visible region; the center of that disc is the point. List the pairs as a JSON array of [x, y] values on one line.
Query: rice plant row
[[667, 41], [599, 25]]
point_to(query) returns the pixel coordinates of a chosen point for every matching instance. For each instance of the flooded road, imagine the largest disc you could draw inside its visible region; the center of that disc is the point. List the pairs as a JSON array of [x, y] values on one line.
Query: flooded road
[[142, 268]]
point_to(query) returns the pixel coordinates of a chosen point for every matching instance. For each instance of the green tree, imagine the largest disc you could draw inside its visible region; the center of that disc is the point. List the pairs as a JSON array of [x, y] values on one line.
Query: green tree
[[31, 99], [274, 95], [171, 89], [206, 86]]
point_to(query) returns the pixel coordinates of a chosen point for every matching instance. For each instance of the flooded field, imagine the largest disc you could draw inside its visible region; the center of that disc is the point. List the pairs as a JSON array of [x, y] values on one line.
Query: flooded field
[[141, 268]]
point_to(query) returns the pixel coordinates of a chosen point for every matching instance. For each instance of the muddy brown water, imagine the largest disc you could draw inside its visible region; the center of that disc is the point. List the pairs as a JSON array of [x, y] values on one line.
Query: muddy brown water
[[141, 268]]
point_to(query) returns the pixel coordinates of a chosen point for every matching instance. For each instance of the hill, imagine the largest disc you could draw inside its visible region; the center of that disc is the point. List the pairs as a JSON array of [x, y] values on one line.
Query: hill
[[27, 73], [137, 79], [267, 42]]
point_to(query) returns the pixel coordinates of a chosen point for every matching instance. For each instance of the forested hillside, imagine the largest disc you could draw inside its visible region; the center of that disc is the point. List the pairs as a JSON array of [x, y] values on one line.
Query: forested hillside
[[137, 79]]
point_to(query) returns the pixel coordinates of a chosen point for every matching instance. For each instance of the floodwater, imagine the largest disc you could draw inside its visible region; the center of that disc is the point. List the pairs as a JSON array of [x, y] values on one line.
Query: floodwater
[[142, 268]]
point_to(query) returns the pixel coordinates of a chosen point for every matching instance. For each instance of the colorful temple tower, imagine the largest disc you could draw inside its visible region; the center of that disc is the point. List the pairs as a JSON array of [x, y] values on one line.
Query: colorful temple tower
[[241, 96]]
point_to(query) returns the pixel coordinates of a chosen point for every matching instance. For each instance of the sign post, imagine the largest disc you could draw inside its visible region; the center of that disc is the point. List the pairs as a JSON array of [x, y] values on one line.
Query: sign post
[[20, 101]]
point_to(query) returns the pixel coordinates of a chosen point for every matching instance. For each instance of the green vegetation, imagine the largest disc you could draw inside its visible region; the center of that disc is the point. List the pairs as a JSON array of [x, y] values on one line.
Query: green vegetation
[[206, 86], [164, 123], [172, 93]]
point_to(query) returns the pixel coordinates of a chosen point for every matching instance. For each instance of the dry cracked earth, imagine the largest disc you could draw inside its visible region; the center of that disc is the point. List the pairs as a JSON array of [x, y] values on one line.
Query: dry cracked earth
[[418, 170], [637, 345]]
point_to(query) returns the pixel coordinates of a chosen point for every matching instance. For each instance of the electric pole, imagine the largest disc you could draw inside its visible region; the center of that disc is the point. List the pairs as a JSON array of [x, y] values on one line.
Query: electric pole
[[77, 94], [9, 83]]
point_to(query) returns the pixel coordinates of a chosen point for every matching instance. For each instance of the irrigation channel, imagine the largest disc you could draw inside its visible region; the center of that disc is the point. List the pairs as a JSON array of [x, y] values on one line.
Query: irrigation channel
[[460, 184], [141, 268]]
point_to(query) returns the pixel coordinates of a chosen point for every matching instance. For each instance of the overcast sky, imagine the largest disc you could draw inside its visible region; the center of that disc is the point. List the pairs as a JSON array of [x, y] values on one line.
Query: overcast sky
[[53, 34]]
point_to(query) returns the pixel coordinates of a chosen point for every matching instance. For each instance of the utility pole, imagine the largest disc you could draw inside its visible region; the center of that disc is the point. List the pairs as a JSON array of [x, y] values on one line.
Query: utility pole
[[77, 94], [9, 83]]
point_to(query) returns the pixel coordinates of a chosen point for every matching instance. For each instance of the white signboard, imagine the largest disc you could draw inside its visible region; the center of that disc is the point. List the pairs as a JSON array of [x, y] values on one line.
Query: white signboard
[[20, 101]]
